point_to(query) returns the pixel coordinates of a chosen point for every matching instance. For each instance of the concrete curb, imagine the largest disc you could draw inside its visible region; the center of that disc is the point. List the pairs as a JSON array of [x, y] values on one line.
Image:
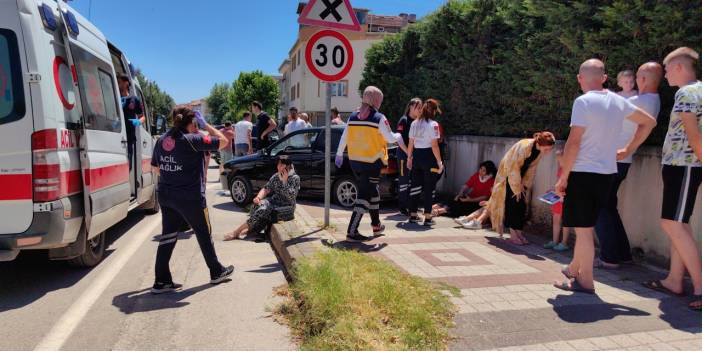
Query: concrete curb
[[296, 239]]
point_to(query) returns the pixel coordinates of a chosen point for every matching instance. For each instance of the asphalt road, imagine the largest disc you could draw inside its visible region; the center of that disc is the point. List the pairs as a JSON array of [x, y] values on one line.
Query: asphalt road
[[46, 305]]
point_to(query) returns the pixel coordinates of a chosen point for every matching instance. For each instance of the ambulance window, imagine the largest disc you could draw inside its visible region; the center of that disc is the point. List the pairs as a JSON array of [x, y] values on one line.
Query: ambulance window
[[97, 90], [11, 92], [143, 108]]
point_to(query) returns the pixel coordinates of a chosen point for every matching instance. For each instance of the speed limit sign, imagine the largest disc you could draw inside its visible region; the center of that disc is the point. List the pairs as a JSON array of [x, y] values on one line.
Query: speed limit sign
[[329, 55]]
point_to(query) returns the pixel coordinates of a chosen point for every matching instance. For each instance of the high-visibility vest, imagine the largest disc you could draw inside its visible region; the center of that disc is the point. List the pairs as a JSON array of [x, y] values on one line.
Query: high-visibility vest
[[364, 141]]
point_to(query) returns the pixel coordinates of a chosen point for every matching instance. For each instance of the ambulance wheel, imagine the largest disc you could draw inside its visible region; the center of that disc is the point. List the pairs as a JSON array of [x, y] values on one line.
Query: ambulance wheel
[[345, 192], [94, 252], [241, 191]]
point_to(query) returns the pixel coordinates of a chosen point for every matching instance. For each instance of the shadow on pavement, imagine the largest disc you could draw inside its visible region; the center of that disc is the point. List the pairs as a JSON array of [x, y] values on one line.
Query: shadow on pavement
[[181, 236], [514, 250], [412, 227], [31, 276], [593, 312], [229, 206], [269, 268], [360, 247], [143, 301]]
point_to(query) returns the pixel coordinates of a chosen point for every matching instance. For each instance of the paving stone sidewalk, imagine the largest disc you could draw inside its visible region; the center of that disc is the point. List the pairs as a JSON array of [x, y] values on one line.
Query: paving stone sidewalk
[[507, 299]]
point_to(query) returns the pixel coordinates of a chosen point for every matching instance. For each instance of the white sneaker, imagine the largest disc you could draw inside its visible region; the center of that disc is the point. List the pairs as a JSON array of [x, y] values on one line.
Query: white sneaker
[[460, 220], [473, 225]]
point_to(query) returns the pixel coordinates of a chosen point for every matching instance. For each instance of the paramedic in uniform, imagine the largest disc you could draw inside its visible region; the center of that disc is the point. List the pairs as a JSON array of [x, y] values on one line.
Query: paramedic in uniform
[[133, 110], [366, 134], [179, 157]]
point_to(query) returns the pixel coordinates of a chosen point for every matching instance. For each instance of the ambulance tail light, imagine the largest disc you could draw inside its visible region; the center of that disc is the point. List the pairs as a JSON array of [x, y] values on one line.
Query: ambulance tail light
[[46, 169]]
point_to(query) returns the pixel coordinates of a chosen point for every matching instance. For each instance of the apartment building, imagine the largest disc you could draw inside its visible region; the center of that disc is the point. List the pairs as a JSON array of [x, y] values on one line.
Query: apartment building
[[301, 89]]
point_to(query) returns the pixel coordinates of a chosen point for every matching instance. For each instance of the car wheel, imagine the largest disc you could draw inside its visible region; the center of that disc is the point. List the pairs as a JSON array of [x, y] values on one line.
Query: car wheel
[[345, 192], [153, 206], [94, 252], [241, 191]]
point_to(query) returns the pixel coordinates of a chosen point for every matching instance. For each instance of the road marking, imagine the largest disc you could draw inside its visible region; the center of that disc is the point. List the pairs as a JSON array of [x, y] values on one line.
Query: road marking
[[62, 330]]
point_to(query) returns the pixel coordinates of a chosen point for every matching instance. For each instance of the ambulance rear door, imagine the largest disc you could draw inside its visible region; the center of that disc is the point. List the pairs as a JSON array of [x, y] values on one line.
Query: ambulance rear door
[[16, 127], [103, 139]]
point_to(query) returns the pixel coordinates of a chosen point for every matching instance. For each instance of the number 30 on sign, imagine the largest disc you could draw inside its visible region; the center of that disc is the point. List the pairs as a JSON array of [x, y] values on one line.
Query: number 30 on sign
[[329, 55]]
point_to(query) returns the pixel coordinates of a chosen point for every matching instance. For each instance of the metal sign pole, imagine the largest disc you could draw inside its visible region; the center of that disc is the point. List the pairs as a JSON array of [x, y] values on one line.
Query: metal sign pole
[[327, 155]]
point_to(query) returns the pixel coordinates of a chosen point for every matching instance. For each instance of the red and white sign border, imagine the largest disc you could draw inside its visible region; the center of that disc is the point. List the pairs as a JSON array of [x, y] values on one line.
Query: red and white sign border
[[304, 19], [308, 55]]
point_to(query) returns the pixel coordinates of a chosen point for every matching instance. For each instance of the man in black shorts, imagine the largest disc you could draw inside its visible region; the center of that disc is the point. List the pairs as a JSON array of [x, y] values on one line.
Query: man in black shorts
[[682, 175], [590, 162]]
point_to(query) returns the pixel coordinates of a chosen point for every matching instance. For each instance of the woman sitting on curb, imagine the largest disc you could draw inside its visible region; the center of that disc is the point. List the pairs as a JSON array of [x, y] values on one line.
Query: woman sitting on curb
[[476, 190], [280, 191]]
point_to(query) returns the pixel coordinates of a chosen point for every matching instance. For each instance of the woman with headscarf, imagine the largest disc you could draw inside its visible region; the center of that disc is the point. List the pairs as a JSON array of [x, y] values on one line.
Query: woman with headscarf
[[508, 203], [366, 135]]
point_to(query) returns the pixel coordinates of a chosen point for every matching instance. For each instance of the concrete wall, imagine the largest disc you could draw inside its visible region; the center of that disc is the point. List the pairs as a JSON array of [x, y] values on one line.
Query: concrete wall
[[639, 197]]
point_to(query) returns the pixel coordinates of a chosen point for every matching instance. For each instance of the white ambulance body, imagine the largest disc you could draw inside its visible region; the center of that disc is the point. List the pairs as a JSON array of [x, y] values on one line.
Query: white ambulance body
[[64, 171]]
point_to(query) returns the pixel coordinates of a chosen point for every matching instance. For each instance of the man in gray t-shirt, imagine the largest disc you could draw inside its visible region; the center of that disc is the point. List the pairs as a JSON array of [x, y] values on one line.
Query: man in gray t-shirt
[[590, 162], [614, 243]]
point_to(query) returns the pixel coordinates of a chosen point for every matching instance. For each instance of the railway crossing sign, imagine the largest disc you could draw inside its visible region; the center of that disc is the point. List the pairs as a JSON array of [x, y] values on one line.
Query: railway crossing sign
[[329, 55], [334, 14]]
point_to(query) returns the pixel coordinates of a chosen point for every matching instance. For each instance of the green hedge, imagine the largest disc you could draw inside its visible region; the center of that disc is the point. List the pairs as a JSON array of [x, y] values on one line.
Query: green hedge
[[508, 67]]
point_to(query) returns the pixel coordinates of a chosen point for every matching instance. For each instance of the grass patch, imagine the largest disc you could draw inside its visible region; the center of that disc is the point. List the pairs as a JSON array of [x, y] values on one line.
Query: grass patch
[[344, 300]]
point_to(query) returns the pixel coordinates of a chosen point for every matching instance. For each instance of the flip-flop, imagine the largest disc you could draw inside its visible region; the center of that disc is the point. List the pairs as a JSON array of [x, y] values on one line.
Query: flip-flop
[[573, 286], [604, 265], [658, 286], [695, 303], [230, 237], [565, 269]]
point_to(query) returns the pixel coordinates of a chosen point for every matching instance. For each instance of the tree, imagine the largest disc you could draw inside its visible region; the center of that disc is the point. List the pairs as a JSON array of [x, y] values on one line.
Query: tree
[[508, 67], [158, 101], [217, 102], [253, 86]]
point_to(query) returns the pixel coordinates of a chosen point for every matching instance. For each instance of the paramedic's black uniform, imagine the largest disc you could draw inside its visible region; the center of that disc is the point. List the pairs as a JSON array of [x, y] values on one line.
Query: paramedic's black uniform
[[181, 194]]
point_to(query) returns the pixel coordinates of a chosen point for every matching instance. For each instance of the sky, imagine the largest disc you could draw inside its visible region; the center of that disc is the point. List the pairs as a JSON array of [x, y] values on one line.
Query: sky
[[188, 46]]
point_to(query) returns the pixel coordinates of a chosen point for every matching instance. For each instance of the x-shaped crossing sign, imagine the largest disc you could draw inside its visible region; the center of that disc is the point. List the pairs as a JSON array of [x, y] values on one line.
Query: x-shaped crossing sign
[[334, 14], [331, 9]]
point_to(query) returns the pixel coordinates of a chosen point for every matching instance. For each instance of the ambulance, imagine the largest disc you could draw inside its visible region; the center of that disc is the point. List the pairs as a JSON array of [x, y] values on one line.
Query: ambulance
[[65, 174]]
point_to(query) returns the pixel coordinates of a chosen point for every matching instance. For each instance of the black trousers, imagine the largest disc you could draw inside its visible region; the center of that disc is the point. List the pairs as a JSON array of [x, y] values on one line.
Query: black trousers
[[176, 210], [425, 174], [403, 185], [614, 243], [515, 210], [367, 179]]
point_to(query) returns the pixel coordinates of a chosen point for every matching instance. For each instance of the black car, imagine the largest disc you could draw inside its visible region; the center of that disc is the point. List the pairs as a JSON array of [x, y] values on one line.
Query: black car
[[217, 156], [244, 176]]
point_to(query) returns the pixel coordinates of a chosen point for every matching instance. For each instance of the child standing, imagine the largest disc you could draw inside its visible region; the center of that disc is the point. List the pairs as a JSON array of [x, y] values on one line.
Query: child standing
[[626, 80], [557, 214]]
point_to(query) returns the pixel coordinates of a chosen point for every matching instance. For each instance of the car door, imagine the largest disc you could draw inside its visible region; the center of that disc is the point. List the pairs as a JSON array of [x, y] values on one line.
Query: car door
[[145, 146], [298, 147], [103, 141], [317, 160]]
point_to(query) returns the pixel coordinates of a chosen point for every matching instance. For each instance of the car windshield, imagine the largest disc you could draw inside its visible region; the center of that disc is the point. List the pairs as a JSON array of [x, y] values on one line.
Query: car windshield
[[298, 141], [11, 92]]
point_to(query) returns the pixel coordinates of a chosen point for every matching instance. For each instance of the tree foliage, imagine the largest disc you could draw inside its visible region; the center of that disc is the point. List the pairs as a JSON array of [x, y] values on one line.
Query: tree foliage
[[218, 103], [253, 86], [508, 67], [157, 100]]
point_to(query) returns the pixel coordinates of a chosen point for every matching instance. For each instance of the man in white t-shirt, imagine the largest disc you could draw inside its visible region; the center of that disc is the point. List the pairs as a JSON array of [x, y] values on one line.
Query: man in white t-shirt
[[296, 123], [590, 162], [614, 244], [242, 136]]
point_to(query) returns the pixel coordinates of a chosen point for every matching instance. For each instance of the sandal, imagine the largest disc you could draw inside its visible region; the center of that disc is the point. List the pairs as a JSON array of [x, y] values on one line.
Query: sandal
[[565, 269], [231, 236], [658, 286], [604, 265], [695, 303], [574, 286]]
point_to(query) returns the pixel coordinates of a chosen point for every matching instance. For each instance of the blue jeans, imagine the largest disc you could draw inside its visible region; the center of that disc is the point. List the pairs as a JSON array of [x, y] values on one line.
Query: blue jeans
[[241, 149], [614, 243]]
